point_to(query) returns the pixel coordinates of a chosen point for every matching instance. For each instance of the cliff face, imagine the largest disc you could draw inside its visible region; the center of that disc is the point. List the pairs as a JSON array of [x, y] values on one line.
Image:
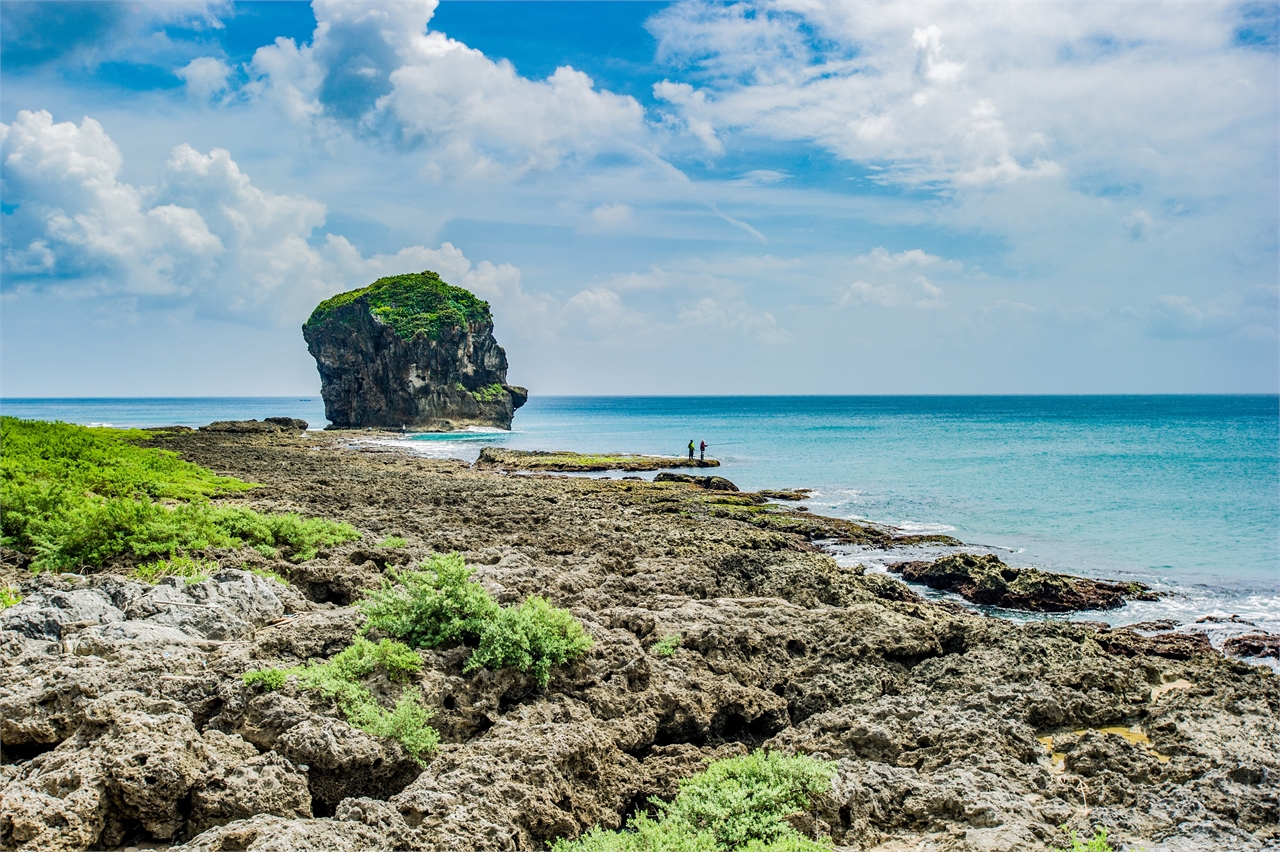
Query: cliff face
[[410, 351]]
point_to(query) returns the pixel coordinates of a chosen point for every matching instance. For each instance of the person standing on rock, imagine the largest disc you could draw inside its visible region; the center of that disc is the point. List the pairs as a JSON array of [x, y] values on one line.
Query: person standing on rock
[[690, 449], [702, 451]]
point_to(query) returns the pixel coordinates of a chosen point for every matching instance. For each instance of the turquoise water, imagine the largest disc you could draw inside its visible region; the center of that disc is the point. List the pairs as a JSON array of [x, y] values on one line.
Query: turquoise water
[[1182, 492]]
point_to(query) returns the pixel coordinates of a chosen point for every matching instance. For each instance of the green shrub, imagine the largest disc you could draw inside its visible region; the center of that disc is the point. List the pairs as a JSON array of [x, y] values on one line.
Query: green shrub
[[735, 805], [532, 637], [746, 798], [442, 604], [416, 303], [1098, 843], [434, 606], [75, 496], [9, 596], [393, 541], [268, 574], [191, 570], [667, 645], [268, 679], [339, 679]]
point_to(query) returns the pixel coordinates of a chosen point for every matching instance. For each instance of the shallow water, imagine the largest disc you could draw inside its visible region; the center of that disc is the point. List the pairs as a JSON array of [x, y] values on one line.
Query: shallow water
[[1180, 492]]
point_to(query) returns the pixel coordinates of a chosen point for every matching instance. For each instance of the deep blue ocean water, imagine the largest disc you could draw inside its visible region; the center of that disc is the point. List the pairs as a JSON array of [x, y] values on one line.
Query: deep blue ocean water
[[1182, 492]]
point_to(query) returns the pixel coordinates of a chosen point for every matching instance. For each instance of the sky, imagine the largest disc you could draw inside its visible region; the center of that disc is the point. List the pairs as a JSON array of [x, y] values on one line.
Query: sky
[[788, 197]]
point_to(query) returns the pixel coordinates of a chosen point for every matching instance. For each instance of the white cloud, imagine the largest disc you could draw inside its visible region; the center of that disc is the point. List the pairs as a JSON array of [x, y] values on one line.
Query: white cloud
[[374, 66], [954, 95], [1251, 315], [205, 76], [899, 281], [735, 317], [611, 216], [204, 235]]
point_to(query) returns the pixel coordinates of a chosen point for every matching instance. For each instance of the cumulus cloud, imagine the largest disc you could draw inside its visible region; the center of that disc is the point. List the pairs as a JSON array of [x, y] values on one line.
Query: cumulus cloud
[[610, 216], [203, 236], [898, 279], [949, 95], [374, 67], [205, 76]]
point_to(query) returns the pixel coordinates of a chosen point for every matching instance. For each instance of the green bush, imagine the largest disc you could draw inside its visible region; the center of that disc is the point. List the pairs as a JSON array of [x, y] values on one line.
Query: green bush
[[735, 805], [667, 645], [339, 679], [434, 606], [749, 798], [442, 604], [9, 596], [393, 541], [268, 679], [532, 637], [1097, 843], [191, 570], [75, 496]]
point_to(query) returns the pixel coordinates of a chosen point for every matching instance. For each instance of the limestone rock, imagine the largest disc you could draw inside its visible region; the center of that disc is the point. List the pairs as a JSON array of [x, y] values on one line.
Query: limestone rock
[[410, 352], [984, 579]]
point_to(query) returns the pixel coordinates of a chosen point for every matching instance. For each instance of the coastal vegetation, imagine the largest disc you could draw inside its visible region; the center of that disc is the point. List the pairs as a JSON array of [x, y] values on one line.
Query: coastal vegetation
[[417, 303], [741, 804], [442, 604], [667, 645], [9, 596], [340, 679], [189, 569], [1097, 843], [74, 496]]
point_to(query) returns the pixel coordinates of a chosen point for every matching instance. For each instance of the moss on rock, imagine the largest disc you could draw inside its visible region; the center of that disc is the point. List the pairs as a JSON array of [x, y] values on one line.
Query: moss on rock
[[412, 304]]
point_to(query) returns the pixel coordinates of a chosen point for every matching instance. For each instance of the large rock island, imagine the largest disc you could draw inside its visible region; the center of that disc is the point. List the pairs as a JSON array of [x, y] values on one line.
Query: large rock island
[[410, 352]]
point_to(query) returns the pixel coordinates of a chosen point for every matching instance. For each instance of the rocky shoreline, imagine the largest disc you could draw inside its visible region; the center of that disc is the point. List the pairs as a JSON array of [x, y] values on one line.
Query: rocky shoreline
[[125, 718]]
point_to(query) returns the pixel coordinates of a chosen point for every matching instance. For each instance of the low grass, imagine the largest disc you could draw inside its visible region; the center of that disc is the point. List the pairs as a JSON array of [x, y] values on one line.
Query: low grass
[[73, 496], [667, 645], [441, 604], [9, 596], [737, 805], [1097, 843], [340, 678], [189, 569], [394, 542]]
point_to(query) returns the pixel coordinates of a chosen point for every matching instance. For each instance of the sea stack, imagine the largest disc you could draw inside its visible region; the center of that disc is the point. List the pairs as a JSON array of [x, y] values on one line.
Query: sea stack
[[410, 352]]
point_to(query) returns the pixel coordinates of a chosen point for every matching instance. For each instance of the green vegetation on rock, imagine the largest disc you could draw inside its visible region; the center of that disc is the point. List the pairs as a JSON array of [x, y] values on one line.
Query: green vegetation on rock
[[340, 677], [9, 596], [74, 496], [1097, 843], [737, 805], [190, 570], [417, 303], [490, 393], [393, 541], [441, 604], [667, 645]]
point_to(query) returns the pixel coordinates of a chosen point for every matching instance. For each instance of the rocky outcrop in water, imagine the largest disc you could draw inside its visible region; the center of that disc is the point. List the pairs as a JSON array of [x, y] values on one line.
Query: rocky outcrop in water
[[984, 579], [410, 352]]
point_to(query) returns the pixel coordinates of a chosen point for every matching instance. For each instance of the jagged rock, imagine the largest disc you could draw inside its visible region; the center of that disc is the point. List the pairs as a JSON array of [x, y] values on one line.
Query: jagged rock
[[1253, 645], [136, 758], [410, 352], [248, 427], [984, 579], [710, 483]]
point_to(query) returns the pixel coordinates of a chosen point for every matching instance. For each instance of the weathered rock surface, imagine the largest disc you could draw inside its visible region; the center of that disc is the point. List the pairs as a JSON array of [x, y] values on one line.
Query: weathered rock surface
[[711, 483], [1253, 645], [933, 713], [984, 579], [567, 462], [410, 352]]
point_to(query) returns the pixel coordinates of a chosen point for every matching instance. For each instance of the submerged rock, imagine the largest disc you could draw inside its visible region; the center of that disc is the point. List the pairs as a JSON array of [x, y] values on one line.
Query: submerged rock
[[984, 579], [410, 352]]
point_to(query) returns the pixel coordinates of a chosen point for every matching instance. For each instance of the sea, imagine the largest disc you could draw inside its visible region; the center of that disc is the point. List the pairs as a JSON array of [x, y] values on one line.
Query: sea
[[1179, 492]]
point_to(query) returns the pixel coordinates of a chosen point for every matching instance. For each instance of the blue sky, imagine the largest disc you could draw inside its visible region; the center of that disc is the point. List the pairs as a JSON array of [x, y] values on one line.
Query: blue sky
[[773, 197]]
